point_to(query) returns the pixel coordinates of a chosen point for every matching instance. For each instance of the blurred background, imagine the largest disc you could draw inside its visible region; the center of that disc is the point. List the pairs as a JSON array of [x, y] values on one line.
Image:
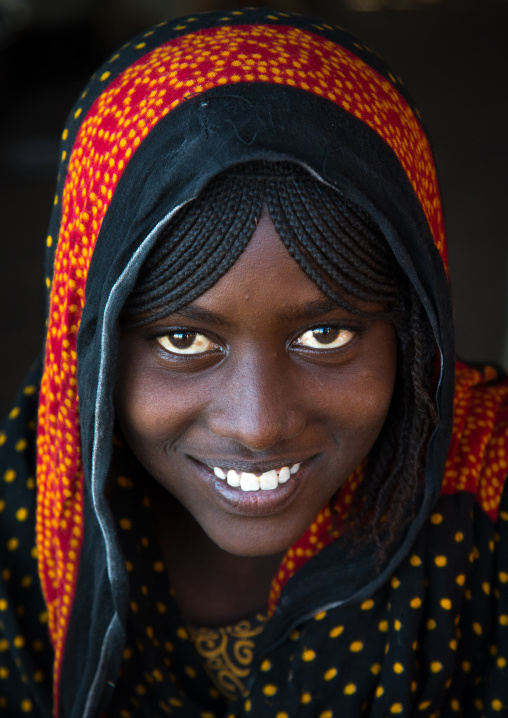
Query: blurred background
[[452, 55]]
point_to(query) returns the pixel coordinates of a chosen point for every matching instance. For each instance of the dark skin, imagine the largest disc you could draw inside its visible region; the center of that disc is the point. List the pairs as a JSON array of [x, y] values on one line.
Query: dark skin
[[260, 372]]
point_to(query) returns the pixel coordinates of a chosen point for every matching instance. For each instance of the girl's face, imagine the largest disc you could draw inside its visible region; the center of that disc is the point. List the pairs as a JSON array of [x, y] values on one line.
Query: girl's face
[[260, 375]]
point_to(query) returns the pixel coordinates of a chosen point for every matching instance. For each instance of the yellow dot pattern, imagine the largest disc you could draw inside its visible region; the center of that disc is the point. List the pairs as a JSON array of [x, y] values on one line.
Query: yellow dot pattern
[[25, 648], [477, 460]]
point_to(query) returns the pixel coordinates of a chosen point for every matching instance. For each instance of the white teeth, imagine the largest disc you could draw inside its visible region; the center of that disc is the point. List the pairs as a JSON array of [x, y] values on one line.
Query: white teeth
[[233, 478], [284, 474], [249, 482], [268, 481]]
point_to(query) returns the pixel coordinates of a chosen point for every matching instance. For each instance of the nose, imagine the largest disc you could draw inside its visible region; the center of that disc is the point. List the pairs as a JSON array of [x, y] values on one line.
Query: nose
[[259, 405]]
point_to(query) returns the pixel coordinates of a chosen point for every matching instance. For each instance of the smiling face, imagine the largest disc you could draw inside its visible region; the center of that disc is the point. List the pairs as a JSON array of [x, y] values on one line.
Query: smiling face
[[259, 374]]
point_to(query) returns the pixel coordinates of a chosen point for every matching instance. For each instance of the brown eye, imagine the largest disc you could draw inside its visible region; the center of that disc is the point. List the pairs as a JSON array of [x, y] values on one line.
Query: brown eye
[[325, 338], [184, 342]]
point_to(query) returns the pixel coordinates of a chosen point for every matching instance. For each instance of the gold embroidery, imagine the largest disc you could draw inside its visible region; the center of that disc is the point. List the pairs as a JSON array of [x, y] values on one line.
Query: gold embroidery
[[227, 653]]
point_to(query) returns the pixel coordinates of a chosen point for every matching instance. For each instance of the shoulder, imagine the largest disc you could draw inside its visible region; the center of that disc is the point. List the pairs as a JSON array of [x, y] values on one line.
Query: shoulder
[[25, 650]]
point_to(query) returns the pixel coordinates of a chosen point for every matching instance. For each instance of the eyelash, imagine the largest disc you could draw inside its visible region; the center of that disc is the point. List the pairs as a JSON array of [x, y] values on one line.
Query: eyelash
[[186, 330]]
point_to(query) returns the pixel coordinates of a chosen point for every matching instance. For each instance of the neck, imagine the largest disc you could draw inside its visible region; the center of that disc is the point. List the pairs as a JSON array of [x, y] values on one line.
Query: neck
[[213, 587]]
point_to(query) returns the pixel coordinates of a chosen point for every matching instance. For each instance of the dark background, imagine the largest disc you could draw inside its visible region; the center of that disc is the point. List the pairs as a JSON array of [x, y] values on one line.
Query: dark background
[[452, 55]]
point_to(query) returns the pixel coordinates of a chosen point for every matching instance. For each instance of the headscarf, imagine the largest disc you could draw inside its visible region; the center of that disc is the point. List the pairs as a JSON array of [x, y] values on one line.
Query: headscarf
[[172, 109]]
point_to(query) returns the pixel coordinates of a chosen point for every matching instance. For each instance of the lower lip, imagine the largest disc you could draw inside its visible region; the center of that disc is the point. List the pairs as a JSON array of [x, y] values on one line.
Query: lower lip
[[257, 503]]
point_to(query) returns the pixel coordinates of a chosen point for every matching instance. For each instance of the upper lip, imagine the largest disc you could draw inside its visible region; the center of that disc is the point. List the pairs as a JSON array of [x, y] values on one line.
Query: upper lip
[[258, 467]]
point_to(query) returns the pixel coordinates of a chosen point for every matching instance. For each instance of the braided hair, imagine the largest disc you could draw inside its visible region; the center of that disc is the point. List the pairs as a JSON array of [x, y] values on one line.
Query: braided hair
[[336, 244]]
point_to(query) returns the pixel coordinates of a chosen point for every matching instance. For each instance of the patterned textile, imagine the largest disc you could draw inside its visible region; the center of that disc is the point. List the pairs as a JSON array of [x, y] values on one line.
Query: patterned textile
[[89, 626]]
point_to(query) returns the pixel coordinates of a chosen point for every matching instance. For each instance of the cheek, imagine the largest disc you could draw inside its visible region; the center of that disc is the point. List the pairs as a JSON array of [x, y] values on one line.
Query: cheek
[[148, 410], [365, 393]]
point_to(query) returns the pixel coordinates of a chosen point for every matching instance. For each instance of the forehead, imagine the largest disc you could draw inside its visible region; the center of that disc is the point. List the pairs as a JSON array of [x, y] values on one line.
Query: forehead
[[265, 275]]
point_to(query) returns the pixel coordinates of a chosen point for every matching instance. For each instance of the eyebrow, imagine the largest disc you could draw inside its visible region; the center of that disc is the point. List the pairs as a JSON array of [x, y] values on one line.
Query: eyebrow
[[311, 310]]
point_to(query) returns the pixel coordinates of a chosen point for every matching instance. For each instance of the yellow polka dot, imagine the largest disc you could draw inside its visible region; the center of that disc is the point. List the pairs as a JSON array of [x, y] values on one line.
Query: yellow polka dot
[[415, 560], [335, 632], [77, 113], [383, 626], [356, 647], [182, 633], [140, 46], [445, 603], [367, 605], [266, 665], [459, 536], [21, 514], [308, 655], [190, 671], [3, 604], [14, 412], [12, 544], [466, 666], [436, 519], [21, 445], [3, 438], [416, 602], [305, 698], [320, 616], [395, 582], [330, 674], [4, 644], [440, 561], [4, 673], [247, 705], [396, 708], [125, 524], [461, 579], [503, 619], [105, 76], [486, 588], [477, 629], [398, 668], [349, 689], [436, 666], [326, 714], [501, 662], [379, 691], [423, 705], [26, 705], [503, 576], [158, 567], [397, 625], [282, 714], [375, 669], [9, 475], [497, 705], [269, 689]]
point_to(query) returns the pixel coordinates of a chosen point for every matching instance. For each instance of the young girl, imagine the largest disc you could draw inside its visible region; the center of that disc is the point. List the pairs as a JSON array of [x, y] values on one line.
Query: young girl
[[262, 485]]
